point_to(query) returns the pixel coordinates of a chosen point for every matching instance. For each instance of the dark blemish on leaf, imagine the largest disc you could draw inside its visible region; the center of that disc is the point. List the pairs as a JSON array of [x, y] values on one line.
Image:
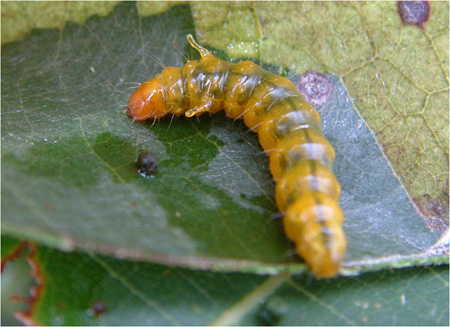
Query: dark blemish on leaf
[[271, 312], [147, 164], [315, 87], [414, 12], [96, 309], [435, 211], [267, 317]]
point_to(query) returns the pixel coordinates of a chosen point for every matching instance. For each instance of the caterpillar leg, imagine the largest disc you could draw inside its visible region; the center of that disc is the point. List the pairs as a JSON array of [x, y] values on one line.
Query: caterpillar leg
[[207, 104], [205, 107]]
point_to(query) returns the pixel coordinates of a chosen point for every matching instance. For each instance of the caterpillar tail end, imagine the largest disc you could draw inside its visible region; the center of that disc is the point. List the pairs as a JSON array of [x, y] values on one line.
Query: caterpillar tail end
[[317, 232]]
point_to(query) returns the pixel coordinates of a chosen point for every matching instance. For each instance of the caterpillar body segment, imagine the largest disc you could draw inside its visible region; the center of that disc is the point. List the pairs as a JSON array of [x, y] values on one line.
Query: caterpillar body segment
[[289, 130]]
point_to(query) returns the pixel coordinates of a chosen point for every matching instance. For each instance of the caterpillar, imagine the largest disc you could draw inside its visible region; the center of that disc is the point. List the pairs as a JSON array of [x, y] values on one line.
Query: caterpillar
[[289, 130]]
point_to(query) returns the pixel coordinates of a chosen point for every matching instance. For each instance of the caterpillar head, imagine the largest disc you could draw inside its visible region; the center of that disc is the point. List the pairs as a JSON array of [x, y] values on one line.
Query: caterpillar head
[[148, 101]]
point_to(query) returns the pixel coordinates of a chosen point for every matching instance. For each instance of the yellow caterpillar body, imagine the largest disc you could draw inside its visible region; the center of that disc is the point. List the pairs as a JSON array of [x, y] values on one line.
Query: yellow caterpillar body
[[289, 129]]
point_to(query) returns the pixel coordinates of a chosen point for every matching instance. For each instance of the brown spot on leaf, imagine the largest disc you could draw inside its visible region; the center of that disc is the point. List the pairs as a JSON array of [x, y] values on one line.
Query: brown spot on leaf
[[96, 309], [315, 87], [18, 298], [435, 211], [414, 12], [26, 317]]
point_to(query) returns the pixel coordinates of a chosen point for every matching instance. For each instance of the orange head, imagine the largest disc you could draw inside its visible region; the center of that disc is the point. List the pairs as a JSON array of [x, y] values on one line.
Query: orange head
[[148, 101]]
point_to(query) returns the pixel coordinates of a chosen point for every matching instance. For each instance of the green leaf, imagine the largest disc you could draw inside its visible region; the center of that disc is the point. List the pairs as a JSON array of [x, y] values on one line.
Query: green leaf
[[91, 289], [68, 160], [21, 17], [397, 74], [8, 246]]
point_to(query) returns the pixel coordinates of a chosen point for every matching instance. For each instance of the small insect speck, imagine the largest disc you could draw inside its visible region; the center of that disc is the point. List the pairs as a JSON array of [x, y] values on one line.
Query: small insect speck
[[414, 12], [147, 164], [315, 87], [92, 69]]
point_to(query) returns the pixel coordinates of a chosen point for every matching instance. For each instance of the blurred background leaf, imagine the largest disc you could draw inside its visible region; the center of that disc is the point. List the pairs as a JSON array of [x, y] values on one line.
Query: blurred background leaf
[[91, 289]]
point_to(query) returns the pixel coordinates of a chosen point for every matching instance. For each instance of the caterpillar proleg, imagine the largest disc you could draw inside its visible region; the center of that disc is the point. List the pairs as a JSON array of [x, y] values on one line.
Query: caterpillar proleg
[[289, 130]]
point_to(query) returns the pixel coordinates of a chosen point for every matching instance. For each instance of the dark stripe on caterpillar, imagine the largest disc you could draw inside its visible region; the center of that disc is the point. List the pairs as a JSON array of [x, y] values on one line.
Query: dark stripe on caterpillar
[[289, 130]]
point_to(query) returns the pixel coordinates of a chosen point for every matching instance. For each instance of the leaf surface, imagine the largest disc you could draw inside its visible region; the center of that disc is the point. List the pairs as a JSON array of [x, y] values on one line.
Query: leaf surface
[[90, 289], [397, 74], [68, 160]]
